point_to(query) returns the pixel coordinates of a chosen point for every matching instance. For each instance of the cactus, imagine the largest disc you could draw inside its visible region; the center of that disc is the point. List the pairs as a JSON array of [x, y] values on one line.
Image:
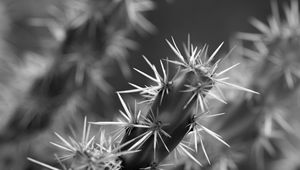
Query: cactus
[[174, 119], [176, 107]]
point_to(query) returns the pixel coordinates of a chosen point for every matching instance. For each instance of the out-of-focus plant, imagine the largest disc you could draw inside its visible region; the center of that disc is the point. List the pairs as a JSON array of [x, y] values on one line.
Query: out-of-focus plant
[[91, 35], [82, 43], [258, 127]]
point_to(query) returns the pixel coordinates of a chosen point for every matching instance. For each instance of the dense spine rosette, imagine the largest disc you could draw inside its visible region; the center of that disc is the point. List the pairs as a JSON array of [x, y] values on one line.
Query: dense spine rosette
[[88, 153]]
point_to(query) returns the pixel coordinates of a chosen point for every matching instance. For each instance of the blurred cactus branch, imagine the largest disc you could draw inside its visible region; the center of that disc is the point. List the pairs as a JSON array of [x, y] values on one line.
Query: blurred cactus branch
[[90, 42], [260, 122]]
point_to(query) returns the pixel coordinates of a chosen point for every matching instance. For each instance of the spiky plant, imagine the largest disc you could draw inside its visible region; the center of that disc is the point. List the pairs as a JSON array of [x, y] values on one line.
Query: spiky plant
[[176, 107], [88, 153]]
